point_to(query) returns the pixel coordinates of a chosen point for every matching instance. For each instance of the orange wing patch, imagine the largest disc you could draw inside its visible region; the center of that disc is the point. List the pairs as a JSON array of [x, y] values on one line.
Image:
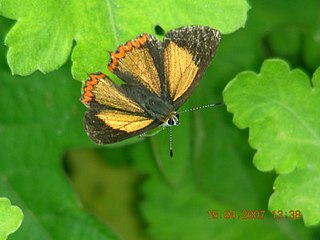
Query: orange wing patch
[[123, 121], [87, 95], [135, 59], [180, 69]]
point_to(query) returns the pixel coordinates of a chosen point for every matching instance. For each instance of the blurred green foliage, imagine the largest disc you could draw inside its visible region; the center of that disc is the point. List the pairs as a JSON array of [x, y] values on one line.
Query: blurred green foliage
[[136, 191]]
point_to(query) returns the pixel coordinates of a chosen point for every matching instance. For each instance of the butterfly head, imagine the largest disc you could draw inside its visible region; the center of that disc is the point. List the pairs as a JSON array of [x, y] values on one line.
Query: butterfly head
[[172, 120]]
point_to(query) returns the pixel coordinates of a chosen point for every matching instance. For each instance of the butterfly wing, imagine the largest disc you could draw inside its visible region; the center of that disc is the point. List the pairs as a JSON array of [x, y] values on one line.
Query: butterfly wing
[[187, 52], [139, 63], [159, 78], [112, 115]]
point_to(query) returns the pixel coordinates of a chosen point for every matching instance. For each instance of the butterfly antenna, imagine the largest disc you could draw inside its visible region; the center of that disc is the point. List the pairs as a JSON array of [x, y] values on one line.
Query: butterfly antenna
[[170, 142], [202, 107]]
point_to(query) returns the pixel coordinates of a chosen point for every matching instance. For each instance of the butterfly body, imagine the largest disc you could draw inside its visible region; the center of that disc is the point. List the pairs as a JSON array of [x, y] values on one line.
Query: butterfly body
[[157, 108], [159, 77]]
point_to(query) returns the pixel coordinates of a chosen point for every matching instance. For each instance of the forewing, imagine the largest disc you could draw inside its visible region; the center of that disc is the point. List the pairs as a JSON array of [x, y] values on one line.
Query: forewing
[[187, 52], [112, 115], [139, 62]]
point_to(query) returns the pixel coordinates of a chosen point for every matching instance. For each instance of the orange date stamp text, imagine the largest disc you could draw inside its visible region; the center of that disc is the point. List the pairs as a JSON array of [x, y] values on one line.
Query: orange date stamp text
[[251, 214]]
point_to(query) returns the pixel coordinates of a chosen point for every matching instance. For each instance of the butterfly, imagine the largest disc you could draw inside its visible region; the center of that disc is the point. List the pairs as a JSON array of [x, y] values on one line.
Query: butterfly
[[158, 76]]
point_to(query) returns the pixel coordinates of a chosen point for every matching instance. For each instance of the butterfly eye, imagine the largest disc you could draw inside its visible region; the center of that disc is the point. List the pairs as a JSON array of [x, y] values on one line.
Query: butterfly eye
[[177, 116], [170, 122]]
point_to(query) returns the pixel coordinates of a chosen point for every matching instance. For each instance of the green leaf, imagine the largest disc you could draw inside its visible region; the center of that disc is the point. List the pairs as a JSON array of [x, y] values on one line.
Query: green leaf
[[10, 218], [42, 38], [279, 106], [298, 192]]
